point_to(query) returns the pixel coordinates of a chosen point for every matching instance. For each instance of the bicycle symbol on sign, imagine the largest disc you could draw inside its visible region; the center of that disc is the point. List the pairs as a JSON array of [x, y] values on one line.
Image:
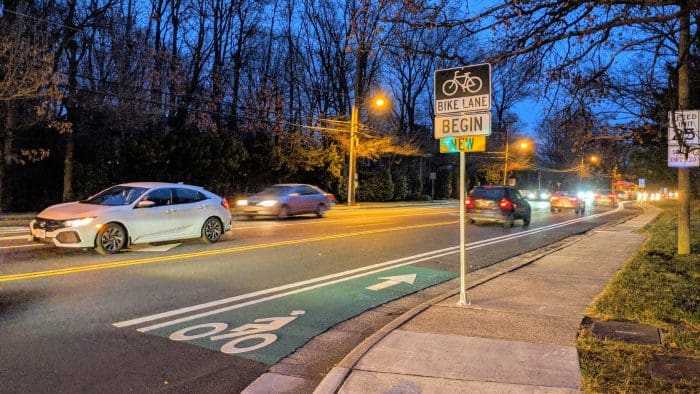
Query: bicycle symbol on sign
[[466, 81], [246, 332]]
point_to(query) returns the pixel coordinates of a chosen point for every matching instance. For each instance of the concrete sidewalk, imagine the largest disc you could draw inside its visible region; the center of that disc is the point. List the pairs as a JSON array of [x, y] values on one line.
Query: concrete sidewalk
[[517, 335]]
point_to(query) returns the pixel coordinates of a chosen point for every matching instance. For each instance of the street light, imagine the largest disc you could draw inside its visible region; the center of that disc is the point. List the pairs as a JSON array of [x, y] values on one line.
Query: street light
[[379, 101], [593, 159], [523, 145]]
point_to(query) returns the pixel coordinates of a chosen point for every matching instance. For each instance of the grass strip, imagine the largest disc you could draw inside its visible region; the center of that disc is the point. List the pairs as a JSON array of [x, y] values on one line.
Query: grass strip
[[656, 287]]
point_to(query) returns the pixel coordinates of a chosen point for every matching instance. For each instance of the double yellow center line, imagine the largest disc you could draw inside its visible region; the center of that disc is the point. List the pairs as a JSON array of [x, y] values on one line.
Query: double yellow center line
[[214, 252]]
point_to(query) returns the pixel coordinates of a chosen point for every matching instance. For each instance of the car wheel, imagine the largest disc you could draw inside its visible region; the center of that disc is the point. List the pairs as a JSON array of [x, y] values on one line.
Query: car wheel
[[552, 210], [472, 221], [283, 213], [526, 219], [321, 210], [576, 211], [110, 239], [212, 230], [509, 221]]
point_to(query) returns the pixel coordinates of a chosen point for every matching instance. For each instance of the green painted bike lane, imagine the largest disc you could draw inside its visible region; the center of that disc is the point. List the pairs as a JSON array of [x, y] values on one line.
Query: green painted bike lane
[[270, 330]]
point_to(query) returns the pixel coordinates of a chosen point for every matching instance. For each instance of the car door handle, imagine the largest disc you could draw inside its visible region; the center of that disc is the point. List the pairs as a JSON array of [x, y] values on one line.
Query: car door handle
[[202, 206], [173, 210]]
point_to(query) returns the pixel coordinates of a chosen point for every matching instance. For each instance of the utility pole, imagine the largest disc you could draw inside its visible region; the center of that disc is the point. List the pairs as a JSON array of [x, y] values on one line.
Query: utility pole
[[684, 103], [505, 165], [354, 115]]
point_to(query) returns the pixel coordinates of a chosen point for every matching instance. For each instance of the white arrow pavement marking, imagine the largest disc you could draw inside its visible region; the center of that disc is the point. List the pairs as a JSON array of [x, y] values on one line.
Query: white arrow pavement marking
[[392, 281]]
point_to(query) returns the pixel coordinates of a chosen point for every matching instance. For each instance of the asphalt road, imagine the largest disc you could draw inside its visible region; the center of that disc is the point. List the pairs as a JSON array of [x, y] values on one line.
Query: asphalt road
[[201, 317]]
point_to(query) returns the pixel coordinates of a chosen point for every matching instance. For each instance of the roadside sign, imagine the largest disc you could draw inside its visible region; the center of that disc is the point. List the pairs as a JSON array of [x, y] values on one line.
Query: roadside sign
[[465, 94], [685, 126], [463, 125], [463, 89], [475, 143], [642, 182]]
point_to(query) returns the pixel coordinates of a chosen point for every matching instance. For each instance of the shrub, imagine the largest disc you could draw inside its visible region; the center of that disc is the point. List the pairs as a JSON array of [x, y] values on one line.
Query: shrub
[[375, 185]]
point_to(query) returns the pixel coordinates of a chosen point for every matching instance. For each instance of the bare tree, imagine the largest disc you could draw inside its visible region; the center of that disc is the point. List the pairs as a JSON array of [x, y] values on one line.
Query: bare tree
[[26, 73]]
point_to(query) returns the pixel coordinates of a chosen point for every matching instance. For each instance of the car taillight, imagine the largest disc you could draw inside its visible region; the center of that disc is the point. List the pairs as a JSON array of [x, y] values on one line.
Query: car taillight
[[505, 204], [469, 202], [555, 198], [573, 199], [224, 203], [331, 197]]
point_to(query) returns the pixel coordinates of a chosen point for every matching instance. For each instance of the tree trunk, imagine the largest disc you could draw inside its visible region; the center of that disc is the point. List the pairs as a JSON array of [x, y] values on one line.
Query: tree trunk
[[6, 151], [68, 168]]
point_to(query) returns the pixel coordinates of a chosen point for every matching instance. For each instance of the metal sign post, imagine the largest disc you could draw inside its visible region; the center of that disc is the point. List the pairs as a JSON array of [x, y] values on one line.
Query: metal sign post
[[462, 122], [462, 237]]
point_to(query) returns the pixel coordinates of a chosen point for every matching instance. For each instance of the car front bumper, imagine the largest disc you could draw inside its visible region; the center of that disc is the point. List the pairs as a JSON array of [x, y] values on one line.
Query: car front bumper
[[258, 210], [65, 237]]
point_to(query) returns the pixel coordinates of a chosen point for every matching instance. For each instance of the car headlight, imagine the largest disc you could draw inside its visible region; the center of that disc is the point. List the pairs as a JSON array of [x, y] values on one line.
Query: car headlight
[[241, 203], [268, 203], [544, 196], [78, 222]]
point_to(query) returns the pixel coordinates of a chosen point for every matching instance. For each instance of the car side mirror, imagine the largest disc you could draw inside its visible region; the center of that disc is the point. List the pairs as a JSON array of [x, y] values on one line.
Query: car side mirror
[[145, 204]]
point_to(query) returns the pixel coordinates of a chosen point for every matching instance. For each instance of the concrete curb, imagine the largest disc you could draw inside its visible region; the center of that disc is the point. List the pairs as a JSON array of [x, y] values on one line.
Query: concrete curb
[[336, 377]]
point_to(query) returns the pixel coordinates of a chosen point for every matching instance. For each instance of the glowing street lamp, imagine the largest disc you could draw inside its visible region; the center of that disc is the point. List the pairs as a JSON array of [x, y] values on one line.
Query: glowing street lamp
[[379, 102]]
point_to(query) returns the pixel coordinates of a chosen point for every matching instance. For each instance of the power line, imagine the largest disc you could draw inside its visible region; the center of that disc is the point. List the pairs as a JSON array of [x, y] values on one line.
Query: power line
[[40, 19], [211, 112]]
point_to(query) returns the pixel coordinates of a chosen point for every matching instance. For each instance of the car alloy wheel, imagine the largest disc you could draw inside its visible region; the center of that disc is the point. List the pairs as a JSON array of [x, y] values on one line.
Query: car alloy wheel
[[320, 210], [284, 212], [509, 221], [111, 239], [212, 230]]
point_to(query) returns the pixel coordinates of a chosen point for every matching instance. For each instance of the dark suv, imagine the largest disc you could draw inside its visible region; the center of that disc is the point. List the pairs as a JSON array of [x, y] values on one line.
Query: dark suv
[[501, 204]]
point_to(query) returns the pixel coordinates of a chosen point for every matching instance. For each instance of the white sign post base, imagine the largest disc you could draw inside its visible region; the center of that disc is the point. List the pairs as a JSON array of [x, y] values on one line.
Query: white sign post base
[[462, 236]]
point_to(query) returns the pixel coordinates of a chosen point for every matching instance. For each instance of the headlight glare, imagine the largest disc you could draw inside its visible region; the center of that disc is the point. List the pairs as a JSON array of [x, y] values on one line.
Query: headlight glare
[[78, 222], [242, 203], [268, 203]]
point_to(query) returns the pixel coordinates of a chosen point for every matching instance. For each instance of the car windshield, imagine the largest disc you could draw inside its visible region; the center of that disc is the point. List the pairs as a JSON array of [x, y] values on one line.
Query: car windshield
[[487, 193], [116, 195], [565, 194], [276, 191]]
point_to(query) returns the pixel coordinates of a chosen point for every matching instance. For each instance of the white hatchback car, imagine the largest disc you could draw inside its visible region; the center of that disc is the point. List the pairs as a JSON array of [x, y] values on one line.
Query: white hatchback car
[[134, 213]]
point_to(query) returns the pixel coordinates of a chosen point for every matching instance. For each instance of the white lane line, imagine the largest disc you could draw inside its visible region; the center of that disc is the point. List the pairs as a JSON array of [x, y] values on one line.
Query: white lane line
[[24, 237], [8, 230], [268, 291], [159, 248], [272, 297], [21, 246], [392, 264]]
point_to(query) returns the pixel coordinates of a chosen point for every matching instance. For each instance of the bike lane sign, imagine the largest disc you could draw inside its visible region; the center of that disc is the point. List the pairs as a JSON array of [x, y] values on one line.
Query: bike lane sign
[[463, 89], [270, 330]]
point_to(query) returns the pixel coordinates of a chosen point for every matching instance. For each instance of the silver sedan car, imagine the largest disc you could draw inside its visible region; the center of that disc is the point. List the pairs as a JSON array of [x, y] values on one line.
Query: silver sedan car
[[134, 213], [285, 200]]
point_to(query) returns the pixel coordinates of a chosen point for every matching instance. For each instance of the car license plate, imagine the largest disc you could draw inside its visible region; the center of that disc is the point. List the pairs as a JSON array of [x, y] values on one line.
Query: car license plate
[[40, 233]]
